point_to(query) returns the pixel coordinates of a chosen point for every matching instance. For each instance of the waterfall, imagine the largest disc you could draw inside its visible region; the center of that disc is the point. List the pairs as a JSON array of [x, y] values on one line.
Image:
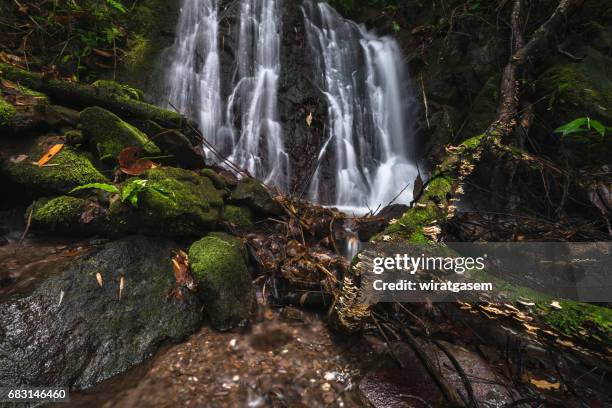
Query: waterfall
[[193, 77], [361, 75], [364, 81], [259, 147]]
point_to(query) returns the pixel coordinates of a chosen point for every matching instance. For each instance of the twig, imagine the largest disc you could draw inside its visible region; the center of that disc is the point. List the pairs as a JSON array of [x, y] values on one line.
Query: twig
[[28, 223], [450, 394], [466, 382], [425, 102]]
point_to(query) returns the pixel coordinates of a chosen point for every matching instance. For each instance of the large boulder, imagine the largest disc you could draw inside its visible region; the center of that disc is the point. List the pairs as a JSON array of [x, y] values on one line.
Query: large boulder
[[66, 170], [69, 216], [109, 135], [219, 264], [73, 331], [255, 195], [578, 90], [171, 202]]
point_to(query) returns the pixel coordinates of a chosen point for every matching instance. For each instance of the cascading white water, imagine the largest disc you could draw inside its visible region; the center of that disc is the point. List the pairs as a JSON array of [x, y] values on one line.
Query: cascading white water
[[193, 78], [254, 141], [259, 147], [364, 80]]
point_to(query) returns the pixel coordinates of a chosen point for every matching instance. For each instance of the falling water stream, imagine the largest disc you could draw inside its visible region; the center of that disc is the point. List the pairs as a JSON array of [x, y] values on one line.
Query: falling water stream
[[368, 112], [361, 75]]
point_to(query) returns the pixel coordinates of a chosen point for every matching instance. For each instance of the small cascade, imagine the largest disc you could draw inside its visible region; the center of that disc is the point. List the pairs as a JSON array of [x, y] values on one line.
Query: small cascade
[[193, 77], [369, 134], [258, 142]]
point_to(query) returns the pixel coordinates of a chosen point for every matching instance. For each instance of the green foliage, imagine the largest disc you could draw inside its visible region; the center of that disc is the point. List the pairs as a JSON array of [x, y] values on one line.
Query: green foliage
[[583, 125], [99, 186], [117, 5], [78, 35], [132, 190]]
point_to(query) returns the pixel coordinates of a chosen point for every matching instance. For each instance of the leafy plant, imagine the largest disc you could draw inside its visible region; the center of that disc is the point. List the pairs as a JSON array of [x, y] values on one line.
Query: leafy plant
[[117, 5], [100, 186], [132, 190], [583, 125]]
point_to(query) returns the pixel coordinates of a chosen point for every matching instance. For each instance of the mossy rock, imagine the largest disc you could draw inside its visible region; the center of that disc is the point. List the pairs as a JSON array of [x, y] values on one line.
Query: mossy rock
[[67, 215], [174, 202], [110, 135], [66, 170], [218, 262], [256, 196], [216, 179], [579, 90], [74, 137], [117, 90], [7, 113], [240, 216]]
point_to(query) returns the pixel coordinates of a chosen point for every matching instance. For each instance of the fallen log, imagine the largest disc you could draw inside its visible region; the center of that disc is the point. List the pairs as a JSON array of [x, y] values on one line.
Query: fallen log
[[79, 96]]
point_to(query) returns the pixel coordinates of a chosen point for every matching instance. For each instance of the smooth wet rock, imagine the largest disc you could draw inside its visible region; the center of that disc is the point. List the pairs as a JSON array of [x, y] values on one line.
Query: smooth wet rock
[[256, 196], [73, 332], [108, 135], [183, 153], [219, 264], [68, 169]]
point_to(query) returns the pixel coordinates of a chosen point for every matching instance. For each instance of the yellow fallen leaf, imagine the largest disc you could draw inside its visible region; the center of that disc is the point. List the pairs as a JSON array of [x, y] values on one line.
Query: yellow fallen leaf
[[545, 385], [55, 149], [556, 305], [99, 279]]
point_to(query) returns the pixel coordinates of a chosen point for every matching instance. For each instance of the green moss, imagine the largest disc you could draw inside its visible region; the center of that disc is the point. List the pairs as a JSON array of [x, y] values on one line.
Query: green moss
[[175, 202], [240, 216], [109, 134], [7, 112], [472, 142], [578, 90], [218, 264], [256, 196], [216, 179], [74, 137], [66, 170], [59, 214], [569, 320], [139, 47], [117, 90]]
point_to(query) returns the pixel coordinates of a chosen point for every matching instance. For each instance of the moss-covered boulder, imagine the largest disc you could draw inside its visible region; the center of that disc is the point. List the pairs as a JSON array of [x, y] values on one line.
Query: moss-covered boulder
[[109, 134], [218, 262], [66, 170], [167, 201], [579, 90], [240, 216], [256, 196], [68, 215], [117, 90], [7, 113]]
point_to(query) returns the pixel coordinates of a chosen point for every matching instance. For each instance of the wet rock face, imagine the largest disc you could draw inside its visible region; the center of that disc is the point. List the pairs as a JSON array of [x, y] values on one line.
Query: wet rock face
[[73, 332], [254, 195], [109, 135]]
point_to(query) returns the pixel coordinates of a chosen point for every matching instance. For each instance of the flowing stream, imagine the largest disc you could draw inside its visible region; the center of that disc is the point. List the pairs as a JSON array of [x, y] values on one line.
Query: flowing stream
[[361, 75]]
